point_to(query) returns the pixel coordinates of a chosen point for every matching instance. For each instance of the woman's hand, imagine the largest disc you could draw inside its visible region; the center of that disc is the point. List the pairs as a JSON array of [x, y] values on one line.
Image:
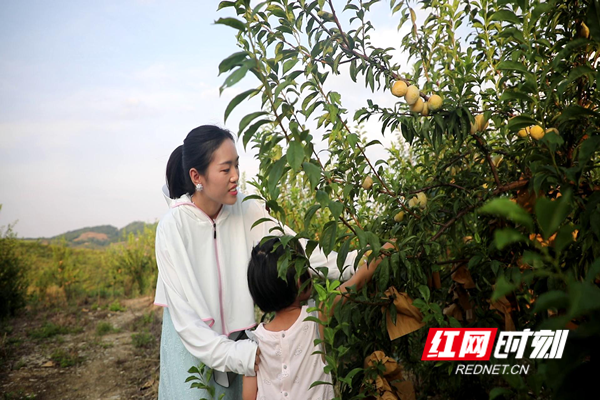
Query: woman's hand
[[257, 360]]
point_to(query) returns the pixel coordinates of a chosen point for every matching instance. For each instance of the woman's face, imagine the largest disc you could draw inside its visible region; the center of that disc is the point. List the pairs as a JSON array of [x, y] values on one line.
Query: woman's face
[[221, 177]]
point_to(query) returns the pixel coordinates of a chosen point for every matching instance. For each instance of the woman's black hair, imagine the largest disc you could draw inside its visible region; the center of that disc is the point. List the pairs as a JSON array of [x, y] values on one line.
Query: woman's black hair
[[195, 152], [269, 292]]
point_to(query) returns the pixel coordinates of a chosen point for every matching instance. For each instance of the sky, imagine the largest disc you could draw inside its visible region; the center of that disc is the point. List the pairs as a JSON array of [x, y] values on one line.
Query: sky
[[94, 97]]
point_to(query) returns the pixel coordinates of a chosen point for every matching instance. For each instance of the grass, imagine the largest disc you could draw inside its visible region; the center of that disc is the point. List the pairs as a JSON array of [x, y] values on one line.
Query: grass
[[116, 306], [19, 395], [142, 340], [50, 329], [140, 323], [104, 328], [66, 358]]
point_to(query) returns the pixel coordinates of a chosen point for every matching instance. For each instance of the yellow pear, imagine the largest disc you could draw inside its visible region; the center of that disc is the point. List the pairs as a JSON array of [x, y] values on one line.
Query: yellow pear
[[412, 95], [523, 132], [537, 132], [497, 159], [417, 106], [399, 217], [480, 122], [583, 31], [413, 202], [399, 89], [367, 183], [435, 102], [422, 199]]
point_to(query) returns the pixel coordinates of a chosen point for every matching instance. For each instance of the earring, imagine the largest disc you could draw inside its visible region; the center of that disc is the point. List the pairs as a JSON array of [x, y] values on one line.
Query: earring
[[199, 187]]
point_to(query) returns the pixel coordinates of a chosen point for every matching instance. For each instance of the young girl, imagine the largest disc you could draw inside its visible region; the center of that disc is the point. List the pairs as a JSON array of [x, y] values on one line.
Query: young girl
[[288, 366]]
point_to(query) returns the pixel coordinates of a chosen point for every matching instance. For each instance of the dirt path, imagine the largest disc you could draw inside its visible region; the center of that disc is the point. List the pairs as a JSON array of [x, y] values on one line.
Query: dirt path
[[82, 353]]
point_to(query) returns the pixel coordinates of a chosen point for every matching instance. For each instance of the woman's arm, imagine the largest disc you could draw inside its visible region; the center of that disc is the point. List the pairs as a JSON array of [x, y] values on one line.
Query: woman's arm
[[317, 259], [250, 388]]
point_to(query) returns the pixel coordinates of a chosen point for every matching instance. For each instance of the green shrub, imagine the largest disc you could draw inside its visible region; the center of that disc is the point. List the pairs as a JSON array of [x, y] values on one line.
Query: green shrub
[[104, 328], [143, 339], [66, 358], [116, 306], [13, 268], [50, 329]]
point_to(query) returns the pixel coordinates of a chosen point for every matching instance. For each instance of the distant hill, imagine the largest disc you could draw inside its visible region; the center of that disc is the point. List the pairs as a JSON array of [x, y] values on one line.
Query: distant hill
[[97, 236]]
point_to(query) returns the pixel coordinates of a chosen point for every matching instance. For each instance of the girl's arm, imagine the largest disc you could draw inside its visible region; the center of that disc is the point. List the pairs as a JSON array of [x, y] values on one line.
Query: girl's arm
[[362, 275], [250, 388]]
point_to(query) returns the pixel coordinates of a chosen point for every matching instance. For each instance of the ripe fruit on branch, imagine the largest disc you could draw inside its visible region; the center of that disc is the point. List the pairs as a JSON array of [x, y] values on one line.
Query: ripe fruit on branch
[[399, 217], [497, 159], [412, 95], [537, 132], [480, 124], [413, 202], [422, 199], [367, 183], [523, 132], [583, 31], [425, 110], [434, 103], [399, 88], [417, 106]]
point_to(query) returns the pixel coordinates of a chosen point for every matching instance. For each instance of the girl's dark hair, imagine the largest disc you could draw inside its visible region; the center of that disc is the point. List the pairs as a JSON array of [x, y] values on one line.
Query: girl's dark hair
[[269, 292], [196, 152]]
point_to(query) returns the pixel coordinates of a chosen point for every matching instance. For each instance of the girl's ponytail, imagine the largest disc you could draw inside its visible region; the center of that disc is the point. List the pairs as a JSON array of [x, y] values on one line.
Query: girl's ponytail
[[176, 181]]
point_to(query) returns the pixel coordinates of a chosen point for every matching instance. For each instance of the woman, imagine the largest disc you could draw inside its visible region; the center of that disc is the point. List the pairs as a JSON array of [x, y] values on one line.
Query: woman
[[203, 246]]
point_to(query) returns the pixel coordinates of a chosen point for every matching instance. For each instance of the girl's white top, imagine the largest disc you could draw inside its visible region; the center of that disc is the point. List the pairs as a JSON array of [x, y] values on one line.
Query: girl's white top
[[287, 365], [202, 277]]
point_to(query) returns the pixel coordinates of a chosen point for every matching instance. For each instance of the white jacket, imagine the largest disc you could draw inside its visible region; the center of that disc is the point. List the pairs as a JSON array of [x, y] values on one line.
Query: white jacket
[[202, 277]]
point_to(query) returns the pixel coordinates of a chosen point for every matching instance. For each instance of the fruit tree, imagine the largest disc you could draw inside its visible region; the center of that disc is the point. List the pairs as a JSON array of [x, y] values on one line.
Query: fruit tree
[[491, 191]]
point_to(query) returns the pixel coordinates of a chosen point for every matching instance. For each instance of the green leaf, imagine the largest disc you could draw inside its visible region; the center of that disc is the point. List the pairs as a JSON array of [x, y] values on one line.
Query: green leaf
[[593, 19], [309, 214], [342, 254], [275, 175], [553, 299], [425, 293], [564, 238], [295, 155], [336, 209], [585, 298], [260, 221], [313, 172], [500, 391], [507, 236], [329, 236], [505, 208], [503, 287], [550, 214], [233, 60], [575, 112], [506, 15], [232, 22], [588, 148], [237, 100], [234, 77], [225, 4], [521, 121], [511, 66], [249, 118]]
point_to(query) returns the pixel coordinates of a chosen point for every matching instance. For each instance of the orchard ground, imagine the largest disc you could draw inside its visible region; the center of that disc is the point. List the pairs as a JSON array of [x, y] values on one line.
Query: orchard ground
[[110, 351]]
